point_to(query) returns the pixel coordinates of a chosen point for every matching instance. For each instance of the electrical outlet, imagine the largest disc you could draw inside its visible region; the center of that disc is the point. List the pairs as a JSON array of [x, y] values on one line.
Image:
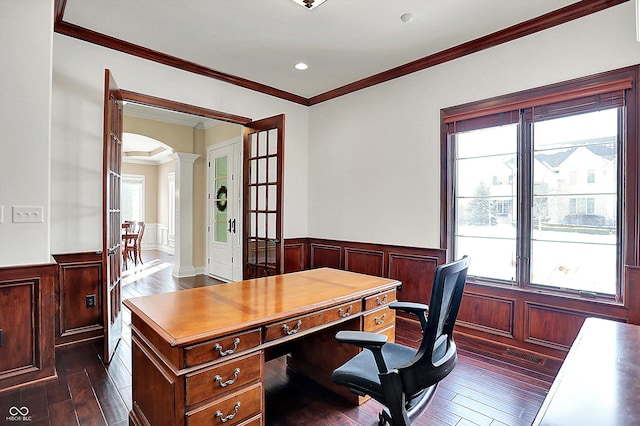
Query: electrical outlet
[[90, 300], [27, 214]]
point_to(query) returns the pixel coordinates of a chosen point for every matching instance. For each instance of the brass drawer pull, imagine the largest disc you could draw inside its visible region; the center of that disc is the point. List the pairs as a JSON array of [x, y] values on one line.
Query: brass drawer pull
[[382, 301], [224, 418], [222, 384], [380, 320], [218, 348], [289, 331], [344, 314]]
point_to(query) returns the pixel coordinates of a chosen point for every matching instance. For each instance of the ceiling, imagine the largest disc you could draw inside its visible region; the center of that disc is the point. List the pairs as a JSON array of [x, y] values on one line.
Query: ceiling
[[342, 41]]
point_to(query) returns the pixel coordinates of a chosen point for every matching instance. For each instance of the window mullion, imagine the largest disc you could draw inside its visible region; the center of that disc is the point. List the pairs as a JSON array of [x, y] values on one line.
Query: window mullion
[[525, 195]]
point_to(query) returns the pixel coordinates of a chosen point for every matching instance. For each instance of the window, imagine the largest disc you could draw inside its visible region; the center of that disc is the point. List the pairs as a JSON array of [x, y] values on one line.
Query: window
[[132, 202], [537, 189]]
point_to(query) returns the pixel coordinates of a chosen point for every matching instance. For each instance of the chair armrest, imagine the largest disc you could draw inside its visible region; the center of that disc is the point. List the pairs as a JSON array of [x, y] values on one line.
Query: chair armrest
[[411, 307], [362, 339], [418, 309], [372, 341]]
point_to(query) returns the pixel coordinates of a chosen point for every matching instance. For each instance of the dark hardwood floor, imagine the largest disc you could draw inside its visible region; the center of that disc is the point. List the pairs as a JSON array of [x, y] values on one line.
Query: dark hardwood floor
[[496, 389]]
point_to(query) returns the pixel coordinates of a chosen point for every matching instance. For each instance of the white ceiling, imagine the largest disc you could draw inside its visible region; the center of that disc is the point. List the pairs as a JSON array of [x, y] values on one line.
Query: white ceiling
[[342, 41]]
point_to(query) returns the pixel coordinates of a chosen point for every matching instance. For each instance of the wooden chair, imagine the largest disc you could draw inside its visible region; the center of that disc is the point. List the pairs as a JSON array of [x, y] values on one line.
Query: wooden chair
[[132, 243]]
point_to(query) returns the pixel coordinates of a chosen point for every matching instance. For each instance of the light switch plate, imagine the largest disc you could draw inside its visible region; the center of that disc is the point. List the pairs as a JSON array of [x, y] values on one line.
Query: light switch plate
[[27, 214]]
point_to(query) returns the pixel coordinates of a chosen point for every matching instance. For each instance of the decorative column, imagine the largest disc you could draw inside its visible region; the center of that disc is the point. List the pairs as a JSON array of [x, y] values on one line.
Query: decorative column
[[183, 261]]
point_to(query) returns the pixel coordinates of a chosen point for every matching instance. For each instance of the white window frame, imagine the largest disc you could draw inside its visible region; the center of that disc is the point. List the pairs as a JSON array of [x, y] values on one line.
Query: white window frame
[[136, 179]]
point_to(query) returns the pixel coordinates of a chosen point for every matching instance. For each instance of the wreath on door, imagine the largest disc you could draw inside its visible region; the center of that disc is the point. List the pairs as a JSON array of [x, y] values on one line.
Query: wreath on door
[[221, 198]]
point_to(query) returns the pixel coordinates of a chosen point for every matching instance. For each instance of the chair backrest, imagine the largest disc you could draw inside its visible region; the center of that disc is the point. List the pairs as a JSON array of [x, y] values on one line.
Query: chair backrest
[[437, 353], [140, 227]]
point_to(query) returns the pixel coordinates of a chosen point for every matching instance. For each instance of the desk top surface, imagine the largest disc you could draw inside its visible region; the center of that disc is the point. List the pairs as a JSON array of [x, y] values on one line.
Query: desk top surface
[[190, 315], [599, 381]]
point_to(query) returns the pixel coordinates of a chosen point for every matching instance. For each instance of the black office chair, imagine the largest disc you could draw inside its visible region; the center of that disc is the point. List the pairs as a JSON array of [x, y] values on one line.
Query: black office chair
[[402, 378]]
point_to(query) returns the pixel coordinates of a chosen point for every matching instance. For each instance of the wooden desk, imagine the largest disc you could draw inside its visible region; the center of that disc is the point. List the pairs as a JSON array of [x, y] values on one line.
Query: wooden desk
[[198, 355], [599, 381]]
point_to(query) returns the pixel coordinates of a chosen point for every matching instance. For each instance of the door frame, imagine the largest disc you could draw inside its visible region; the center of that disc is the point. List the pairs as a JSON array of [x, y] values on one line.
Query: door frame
[[167, 104]]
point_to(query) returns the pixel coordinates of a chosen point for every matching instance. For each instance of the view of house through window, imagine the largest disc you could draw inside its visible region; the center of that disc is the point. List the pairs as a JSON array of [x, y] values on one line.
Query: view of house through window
[[132, 198], [537, 197], [486, 191], [573, 243]]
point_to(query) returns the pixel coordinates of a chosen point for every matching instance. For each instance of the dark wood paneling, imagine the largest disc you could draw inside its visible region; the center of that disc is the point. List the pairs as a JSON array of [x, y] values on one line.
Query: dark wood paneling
[[323, 255], [295, 255], [415, 273], [79, 276], [553, 327], [488, 314], [369, 262], [632, 285], [26, 320], [18, 344]]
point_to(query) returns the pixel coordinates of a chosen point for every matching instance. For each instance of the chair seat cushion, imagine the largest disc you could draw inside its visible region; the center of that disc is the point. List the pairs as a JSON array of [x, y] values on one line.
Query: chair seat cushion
[[360, 372]]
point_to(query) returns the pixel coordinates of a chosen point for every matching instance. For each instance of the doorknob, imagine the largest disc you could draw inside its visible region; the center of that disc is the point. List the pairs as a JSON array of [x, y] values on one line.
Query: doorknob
[[234, 226], [229, 229]]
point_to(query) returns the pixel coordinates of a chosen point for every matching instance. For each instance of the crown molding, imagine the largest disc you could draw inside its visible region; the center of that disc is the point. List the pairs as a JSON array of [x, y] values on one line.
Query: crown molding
[[558, 17]]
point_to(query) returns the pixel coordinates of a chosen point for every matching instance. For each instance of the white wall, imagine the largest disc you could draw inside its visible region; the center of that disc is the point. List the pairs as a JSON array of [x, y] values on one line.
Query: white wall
[[78, 80], [25, 115], [374, 155], [361, 167]]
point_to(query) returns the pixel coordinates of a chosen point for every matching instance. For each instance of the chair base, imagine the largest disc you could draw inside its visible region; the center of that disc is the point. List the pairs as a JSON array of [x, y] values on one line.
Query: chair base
[[414, 409]]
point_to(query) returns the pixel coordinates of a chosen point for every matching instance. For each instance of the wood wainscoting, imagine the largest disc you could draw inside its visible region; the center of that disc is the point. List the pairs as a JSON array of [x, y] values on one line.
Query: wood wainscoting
[[26, 325], [79, 298], [500, 318], [413, 266]]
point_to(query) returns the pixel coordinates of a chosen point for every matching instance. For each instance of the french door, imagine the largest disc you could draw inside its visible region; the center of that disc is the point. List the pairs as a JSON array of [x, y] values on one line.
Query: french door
[[263, 248], [111, 183]]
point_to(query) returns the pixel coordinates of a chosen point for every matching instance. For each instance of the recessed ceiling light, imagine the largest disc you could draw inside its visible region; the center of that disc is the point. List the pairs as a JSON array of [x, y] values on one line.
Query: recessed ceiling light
[[301, 66]]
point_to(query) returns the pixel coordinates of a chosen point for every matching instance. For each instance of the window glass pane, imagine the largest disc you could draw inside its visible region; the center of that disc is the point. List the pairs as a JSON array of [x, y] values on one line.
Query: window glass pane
[[132, 198], [575, 202], [486, 193], [220, 201], [262, 144]]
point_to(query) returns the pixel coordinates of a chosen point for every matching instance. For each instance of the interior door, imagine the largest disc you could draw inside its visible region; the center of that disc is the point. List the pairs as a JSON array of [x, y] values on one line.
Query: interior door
[[225, 225], [263, 249], [111, 182]]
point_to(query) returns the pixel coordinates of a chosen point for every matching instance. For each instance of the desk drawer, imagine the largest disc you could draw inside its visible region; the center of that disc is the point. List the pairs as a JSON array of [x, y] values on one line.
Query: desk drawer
[[373, 302], [379, 319], [219, 348], [256, 421], [306, 322], [231, 410], [222, 378]]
